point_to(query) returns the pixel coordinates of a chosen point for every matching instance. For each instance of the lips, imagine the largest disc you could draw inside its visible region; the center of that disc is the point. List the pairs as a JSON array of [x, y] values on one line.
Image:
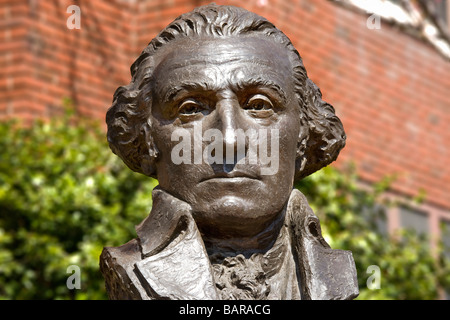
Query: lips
[[231, 175]]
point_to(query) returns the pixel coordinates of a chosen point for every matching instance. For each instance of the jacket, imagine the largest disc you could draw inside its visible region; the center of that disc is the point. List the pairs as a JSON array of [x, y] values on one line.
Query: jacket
[[168, 259]]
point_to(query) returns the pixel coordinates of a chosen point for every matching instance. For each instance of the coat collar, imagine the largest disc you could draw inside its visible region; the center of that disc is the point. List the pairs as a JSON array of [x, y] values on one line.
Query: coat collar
[[169, 237], [174, 262]]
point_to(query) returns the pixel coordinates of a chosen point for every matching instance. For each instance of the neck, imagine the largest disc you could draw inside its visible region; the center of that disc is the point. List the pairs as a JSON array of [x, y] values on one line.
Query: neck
[[220, 248], [257, 274]]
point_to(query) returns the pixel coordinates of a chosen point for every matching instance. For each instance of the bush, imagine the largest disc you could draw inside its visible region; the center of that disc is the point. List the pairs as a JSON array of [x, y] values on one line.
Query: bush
[[351, 217], [63, 196]]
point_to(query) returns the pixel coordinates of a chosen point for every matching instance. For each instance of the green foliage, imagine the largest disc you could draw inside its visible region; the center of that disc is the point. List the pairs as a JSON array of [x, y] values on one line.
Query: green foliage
[[351, 218], [63, 196]]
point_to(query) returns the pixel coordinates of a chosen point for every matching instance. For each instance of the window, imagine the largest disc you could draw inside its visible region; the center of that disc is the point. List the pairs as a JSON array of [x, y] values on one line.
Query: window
[[376, 216], [445, 237], [414, 219]]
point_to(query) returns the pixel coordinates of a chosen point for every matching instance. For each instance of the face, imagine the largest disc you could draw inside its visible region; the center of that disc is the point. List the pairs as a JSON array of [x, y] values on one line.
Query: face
[[223, 88]]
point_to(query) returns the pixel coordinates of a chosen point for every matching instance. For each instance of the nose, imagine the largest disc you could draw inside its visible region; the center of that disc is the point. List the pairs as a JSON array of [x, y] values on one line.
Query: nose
[[234, 144], [227, 110]]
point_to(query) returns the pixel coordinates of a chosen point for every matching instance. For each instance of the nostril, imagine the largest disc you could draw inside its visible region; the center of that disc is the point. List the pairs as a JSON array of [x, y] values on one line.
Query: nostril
[[229, 166]]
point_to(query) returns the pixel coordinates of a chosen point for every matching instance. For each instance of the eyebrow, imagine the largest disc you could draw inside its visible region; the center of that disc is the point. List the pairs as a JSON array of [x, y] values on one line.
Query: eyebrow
[[187, 86], [241, 84], [260, 82]]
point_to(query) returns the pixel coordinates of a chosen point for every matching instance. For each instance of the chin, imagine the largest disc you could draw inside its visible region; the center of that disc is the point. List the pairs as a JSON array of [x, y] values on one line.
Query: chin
[[235, 216]]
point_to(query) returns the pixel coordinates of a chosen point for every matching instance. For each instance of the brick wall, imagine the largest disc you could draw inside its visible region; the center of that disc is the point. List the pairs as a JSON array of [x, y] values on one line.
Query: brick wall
[[390, 90], [42, 61], [13, 35]]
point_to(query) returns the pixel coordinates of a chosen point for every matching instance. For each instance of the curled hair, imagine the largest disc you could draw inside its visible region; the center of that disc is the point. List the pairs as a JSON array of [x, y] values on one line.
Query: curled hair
[[129, 123]]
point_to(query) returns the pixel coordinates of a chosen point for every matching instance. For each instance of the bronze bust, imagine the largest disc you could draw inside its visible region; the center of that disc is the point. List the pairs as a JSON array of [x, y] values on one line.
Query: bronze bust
[[226, 222]]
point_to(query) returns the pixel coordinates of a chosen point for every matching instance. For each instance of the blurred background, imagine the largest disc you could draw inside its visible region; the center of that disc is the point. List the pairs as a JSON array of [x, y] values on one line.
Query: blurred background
[[382, 64]]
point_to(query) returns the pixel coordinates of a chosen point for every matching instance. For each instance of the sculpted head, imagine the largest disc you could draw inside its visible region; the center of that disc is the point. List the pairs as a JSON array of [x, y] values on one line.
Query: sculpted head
[[218, 69]]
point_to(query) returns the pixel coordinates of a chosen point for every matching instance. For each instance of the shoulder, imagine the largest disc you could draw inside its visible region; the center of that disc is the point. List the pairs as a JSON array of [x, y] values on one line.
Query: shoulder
[[116, 265]]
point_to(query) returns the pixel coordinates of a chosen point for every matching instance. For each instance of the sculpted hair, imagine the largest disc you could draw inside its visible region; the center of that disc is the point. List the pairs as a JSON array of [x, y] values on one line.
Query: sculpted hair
[[129, 124]]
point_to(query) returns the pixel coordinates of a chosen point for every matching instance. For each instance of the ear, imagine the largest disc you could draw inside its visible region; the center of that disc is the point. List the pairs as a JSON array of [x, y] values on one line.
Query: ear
[[148, 166], [148, 157]]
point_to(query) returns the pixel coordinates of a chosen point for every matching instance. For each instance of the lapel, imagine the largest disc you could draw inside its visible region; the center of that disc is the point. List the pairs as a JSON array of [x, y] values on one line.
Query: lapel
[[175, 264], [325, 273]]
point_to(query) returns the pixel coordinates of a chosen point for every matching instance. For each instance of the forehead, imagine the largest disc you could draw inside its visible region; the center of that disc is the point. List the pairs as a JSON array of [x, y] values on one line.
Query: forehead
[[219, 61]]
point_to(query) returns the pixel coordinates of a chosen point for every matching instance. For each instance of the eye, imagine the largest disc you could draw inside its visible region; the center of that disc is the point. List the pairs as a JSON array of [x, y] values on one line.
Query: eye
[[259, 105], [190, 107], [258, 102]]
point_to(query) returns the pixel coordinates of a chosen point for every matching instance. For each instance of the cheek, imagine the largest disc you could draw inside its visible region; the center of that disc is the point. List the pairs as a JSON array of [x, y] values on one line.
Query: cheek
[[289, 134], [289, 137], [172, 172], [162, 140]]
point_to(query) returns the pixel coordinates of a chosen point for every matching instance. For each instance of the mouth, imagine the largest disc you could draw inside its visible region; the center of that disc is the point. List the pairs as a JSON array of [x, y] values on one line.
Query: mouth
[[236, 176]]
